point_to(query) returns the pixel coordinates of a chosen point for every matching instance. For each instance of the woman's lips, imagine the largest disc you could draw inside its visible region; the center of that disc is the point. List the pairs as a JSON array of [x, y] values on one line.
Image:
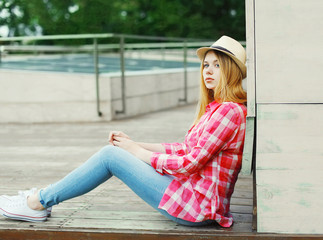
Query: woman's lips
[[209, 79]]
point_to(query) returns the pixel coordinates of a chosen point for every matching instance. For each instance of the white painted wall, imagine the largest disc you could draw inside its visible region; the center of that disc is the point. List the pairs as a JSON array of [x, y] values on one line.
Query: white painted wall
[[289, 168], [288, 50]]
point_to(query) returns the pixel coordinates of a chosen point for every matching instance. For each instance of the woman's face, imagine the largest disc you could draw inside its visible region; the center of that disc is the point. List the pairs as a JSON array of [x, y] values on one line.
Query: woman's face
[[211, 70]]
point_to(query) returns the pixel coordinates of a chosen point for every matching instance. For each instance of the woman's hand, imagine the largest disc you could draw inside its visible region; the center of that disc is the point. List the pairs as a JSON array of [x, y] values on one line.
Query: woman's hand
[[126, 144], [132, 147], [114, 134]]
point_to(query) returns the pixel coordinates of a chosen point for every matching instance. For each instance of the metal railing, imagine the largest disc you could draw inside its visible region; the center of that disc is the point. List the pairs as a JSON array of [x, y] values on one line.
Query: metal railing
[[182, 43]]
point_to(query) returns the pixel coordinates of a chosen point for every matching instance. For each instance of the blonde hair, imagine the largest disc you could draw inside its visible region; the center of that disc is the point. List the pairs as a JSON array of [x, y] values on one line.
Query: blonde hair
[[229, 88]]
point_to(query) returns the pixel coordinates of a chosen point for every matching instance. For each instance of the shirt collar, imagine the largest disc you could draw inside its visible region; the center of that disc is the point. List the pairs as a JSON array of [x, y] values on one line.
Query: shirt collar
[[211, 106]]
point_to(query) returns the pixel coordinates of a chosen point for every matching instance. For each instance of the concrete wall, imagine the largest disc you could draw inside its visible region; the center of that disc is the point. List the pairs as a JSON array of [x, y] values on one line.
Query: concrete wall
[[39, 97], [149, 91], [287, 51]]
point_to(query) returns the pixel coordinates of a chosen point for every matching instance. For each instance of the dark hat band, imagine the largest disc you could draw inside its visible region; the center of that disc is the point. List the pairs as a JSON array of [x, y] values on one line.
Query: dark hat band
[[223, 49]]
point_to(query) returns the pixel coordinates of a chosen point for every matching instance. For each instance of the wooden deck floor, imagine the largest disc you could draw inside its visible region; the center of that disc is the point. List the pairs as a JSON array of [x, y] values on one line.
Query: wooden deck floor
[[36, 155]]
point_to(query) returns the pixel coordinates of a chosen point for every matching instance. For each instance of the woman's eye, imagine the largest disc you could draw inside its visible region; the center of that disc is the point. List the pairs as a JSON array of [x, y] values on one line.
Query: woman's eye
[[217, 65], [205, 65]]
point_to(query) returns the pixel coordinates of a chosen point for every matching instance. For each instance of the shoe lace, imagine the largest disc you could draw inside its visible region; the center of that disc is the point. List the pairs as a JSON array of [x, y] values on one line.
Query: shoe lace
[[27, 192], [19, 202]]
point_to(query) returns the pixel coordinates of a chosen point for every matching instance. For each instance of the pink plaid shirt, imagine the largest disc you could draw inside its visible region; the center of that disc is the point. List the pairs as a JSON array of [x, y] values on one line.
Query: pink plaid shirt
[[206, 165]]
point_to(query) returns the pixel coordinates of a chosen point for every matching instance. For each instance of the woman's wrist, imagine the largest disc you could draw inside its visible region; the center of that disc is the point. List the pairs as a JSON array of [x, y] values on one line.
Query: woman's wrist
[[152, 147], [144, 155]]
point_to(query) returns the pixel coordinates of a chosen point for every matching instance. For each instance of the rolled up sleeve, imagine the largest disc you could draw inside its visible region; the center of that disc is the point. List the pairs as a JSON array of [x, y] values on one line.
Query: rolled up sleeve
[[175, 148], [157, 162]]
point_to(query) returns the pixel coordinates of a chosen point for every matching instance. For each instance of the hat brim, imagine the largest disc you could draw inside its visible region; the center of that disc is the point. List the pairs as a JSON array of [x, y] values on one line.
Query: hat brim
[[203, 50]]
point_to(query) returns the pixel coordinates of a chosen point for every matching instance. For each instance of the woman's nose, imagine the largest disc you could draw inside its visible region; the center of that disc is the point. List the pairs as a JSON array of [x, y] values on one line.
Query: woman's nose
[[209, 70]]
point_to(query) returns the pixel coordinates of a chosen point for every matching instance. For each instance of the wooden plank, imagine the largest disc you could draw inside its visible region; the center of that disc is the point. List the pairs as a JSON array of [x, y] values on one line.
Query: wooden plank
[[241, 201], [254, 211], [251, 61], [116, 235], [146, 225], [248, 146], [289, 136], [134, 215], [289, 168], [288, 37], [251, 88], [303, 200]]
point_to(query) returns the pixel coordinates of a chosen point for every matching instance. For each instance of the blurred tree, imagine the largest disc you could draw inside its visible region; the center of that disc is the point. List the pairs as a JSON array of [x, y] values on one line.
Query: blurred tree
[[15, 17], [171, 18]]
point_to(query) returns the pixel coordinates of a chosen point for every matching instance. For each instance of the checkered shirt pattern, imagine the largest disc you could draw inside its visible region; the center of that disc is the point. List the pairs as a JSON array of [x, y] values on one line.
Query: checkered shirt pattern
[[205, 165]]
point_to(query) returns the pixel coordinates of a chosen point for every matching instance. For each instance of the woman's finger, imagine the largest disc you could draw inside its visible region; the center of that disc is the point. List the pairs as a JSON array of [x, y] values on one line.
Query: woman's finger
[[125, 135], [121, 134], [118, 138], [112, 134], [117, 135]]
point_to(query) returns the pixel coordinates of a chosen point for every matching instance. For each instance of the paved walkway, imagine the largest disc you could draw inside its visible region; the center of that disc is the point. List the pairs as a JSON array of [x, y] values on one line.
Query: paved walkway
[[35, 155]]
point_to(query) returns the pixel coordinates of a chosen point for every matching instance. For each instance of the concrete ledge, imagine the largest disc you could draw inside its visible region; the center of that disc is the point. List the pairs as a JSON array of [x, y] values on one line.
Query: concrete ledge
[[40, 97]]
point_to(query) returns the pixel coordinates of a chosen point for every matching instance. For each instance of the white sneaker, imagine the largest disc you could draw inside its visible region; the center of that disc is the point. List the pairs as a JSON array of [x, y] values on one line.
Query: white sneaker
[[25, 194], [18, 209]]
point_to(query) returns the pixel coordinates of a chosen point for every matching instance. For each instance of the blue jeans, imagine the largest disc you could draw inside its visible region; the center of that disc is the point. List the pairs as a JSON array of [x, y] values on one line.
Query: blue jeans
[[113, 161]]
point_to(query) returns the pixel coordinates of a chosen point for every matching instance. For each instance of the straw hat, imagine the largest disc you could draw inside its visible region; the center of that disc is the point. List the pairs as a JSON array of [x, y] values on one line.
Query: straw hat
[[230, 47]]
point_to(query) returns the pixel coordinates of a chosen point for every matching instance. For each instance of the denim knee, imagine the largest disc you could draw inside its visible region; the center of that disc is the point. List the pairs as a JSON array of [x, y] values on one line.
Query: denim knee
[[108, 149], [108, 154]]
